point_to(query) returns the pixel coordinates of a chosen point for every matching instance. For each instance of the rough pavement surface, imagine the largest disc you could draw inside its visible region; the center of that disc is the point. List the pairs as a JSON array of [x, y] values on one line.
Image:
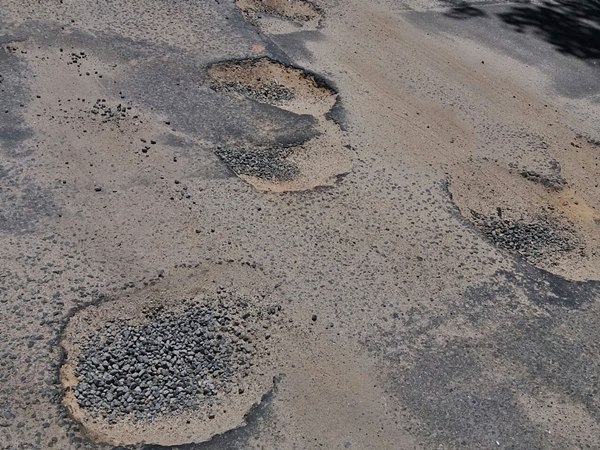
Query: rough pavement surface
[[431, 282]]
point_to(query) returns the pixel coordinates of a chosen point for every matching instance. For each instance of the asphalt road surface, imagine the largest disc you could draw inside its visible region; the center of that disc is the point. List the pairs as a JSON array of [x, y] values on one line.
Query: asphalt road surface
[[281, 224]]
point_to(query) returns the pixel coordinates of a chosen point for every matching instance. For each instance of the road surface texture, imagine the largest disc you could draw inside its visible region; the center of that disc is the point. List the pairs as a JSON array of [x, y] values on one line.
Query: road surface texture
[[282, 224]]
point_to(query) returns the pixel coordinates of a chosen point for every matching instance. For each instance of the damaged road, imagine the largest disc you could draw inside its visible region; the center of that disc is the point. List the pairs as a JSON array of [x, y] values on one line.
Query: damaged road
[[299, 224]]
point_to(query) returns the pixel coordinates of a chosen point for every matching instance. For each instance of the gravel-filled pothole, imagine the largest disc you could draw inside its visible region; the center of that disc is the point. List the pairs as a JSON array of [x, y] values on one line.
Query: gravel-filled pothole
[[171, 362], [535, 240], [178, 360], [532, 212], [174, 361]]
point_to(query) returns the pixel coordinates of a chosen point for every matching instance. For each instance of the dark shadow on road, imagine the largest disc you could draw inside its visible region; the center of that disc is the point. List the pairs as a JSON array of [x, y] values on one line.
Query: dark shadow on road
[[463, 10], [572, 27]]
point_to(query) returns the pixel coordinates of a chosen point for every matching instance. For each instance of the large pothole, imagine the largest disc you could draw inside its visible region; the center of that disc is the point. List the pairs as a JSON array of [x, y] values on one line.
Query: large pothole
[[315, 162], [150, 369]]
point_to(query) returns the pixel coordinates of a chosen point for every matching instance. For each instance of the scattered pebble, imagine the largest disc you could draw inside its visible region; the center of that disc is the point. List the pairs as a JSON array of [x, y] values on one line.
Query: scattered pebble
[[108, 113], [534, 240]]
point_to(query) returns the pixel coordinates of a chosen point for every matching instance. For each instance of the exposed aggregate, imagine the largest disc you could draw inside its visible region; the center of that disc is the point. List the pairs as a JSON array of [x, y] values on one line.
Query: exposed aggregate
[[267, 163], [173, 361], [271, 93], [534, 240]]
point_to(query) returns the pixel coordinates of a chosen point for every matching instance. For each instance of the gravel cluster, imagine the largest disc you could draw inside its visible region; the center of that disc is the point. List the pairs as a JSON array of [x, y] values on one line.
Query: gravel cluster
[[272, 93], [535, 240], [269, 163], [173, 361], [554, 182], [76, 57], [107, 113]]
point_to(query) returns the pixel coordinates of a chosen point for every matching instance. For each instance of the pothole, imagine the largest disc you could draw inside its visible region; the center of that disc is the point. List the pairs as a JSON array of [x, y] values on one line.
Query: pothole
[[168, 371], [271, 82], [533, 214], [281, 16], [316, 162]]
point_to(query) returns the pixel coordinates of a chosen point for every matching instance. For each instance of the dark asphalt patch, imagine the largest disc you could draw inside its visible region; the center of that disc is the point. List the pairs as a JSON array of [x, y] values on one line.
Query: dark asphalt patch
[[215, 117], [23, 203], [547, 289], [14, 98], [470, 391]]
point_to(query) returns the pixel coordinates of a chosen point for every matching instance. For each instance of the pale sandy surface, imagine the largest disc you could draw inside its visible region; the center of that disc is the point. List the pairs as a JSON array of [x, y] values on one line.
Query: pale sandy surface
[[402, 326]]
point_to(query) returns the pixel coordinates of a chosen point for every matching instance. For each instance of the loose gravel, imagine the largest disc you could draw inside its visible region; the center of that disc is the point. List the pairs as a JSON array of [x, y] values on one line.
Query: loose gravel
[[534, 240], [270, 163], [174, 361], [271, 93], [107, 113]]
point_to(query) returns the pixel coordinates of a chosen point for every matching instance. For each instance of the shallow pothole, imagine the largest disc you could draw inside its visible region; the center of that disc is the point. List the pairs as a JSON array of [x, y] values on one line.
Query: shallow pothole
[[275, 167], [533, 213], [281, 16], [268, 81], [168, 372]]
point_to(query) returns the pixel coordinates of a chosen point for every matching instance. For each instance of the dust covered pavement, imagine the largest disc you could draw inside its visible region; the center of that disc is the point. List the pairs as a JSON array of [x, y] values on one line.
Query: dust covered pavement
[[272, 224]]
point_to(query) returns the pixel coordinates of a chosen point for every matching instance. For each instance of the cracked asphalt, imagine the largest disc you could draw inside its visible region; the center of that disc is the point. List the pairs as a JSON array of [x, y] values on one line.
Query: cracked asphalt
[[402, 325]]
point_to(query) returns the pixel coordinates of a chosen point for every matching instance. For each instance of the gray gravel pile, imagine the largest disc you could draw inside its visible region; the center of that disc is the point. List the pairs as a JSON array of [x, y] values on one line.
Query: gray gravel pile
[[535, 240], [271, 93], [107, 113], [266, 163], [172, 362]]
